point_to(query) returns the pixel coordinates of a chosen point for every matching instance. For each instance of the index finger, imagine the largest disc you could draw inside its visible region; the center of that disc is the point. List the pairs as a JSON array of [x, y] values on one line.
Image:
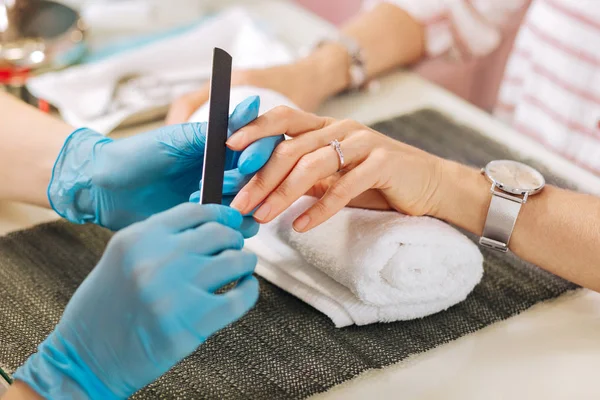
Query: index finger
[[280, 120]]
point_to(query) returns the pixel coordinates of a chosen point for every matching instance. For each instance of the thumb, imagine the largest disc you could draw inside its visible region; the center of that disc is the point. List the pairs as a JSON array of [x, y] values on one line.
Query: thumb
[[182, 109]]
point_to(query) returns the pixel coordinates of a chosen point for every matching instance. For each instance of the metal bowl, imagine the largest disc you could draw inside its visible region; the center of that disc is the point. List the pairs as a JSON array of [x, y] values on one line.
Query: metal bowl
[[45, 34]]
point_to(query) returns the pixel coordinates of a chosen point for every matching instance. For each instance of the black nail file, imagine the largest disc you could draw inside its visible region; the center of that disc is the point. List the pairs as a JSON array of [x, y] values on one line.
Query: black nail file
[[216, 135]]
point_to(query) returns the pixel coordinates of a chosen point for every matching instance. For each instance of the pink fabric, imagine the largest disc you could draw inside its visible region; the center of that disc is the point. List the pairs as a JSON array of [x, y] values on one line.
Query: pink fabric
[[475, 79], [336, 11], [534, 63]]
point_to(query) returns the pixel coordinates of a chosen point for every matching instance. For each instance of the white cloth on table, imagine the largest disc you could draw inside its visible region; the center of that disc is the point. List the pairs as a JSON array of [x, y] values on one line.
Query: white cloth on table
[[164, 70], [365, 266]]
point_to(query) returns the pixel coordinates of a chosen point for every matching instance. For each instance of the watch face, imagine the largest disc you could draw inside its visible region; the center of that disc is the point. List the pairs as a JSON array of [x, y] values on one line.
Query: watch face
[[515, 177]]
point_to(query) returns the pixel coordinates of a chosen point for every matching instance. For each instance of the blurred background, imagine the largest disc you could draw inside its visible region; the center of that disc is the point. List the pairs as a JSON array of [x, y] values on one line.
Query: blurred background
[[533, 64]]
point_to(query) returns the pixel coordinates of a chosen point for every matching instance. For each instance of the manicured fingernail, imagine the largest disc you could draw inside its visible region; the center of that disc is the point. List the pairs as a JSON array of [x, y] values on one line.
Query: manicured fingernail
[[263, 212], [301, 223], [235, 140], [240, 202]]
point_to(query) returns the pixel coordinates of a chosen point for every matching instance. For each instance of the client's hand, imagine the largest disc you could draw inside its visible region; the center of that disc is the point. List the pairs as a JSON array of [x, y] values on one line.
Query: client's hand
[[379, 172], [115, 183], [149, 303], [299, 82]]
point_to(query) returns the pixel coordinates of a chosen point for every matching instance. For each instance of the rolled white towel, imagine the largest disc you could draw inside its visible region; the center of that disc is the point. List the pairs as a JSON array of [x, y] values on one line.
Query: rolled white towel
[[366, 266], [269, 99], [361, 266]]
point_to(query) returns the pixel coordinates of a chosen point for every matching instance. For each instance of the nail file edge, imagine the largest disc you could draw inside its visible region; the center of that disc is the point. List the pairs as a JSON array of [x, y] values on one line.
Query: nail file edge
[[216, 134]]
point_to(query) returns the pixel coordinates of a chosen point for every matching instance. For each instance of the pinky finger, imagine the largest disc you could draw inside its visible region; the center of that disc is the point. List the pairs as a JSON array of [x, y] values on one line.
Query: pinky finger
[[338, 195]]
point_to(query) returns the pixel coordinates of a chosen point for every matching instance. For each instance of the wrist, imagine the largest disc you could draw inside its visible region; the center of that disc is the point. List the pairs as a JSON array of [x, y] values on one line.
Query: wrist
[[70, 191], [327, 69], [56, 371], [21, 391], [464, 197]]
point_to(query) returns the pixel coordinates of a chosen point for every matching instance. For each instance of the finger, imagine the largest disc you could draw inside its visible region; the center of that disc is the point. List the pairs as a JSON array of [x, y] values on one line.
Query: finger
[[339, 194], [211, 238], [234, 181], [311, 168], [215, 311], [228, 307], [182, 109], [256, 155], [227, 267], [283, 160], [189, 215], [244, 113], [372, 199], [307, 172], [249, 227], [280, 120]]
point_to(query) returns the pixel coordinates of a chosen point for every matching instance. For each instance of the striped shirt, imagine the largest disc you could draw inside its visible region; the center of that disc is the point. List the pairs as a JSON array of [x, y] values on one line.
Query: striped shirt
[[551, 85]]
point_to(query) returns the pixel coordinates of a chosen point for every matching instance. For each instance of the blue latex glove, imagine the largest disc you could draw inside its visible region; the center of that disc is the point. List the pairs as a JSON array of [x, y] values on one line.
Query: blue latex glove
[[149, 303], [115, 183]]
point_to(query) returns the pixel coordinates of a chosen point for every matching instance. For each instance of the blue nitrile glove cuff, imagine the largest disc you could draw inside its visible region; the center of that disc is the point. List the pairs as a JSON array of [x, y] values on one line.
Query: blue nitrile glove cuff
[[56, 371], [71, 192]]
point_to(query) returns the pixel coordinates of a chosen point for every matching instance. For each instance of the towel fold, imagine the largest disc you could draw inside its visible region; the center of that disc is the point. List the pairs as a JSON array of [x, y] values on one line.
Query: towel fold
[[365, 266]]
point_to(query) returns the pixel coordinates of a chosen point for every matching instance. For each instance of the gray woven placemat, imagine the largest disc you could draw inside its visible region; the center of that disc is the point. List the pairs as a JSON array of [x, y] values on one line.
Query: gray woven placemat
[[283, 349]]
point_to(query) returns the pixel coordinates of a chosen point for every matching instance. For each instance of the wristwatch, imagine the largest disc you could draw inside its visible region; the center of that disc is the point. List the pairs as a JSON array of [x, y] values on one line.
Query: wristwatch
[[357, 70], [512, 184]]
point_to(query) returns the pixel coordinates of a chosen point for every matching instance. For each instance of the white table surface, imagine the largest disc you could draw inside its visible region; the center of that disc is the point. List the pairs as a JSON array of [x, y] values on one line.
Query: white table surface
[[551, 351]]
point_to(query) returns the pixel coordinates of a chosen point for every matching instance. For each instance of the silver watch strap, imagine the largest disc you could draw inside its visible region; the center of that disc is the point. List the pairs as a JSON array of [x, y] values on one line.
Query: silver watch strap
[[500, 222]]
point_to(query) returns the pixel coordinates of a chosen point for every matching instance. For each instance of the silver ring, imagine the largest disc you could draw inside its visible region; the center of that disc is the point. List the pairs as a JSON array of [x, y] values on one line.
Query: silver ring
[[336, 146]]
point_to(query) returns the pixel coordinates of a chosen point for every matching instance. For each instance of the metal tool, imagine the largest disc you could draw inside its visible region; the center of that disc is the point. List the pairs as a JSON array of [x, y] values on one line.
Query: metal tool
[[39, 33], [218, 124], [132, 90], [36, 35]]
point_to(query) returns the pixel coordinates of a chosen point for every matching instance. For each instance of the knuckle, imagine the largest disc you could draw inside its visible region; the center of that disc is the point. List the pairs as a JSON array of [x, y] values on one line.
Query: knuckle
[[380, 155], [349, 124], [284, 150], [307, 162], [284, 112], [259, 182], [340, 191], [363, 135], [124, 239], [284, 190], [224, 235], [214, 228], [233, 238], [320, 207]]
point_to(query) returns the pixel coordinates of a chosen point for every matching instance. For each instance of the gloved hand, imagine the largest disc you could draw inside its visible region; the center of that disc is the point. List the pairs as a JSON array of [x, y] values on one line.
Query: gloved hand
[[148, 304], [115, 183]]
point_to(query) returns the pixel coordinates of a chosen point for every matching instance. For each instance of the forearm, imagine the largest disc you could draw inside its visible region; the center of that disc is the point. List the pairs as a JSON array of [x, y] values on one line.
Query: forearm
[[557, 229], [20, 391], [29, 144], [389, 38]]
